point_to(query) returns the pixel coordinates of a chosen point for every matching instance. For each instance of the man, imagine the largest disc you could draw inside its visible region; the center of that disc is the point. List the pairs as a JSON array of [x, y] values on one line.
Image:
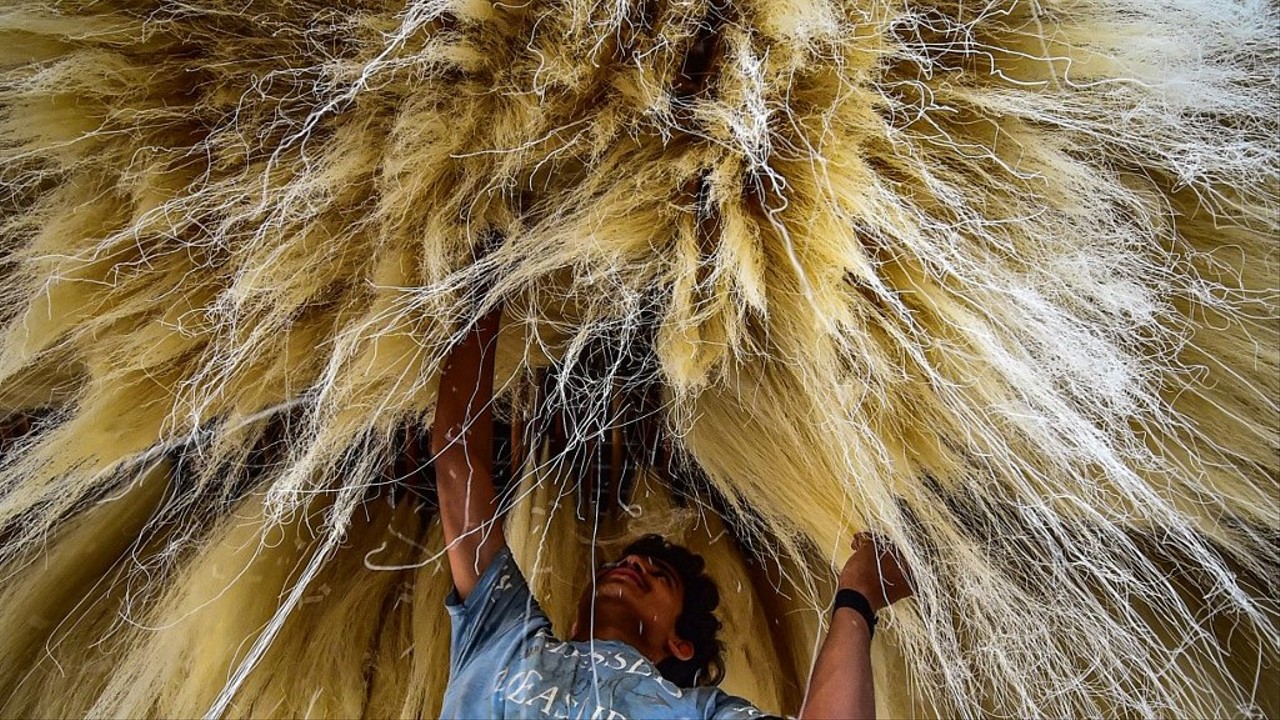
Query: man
[[644, 644]]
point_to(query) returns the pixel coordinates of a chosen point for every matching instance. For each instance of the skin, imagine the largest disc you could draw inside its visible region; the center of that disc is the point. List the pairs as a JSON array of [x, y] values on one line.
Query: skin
[[461, 443], [840, 685], [635, 600]]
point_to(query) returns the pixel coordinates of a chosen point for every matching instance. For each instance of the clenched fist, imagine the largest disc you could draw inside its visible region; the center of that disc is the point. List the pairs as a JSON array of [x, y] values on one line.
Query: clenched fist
[[875, 570]]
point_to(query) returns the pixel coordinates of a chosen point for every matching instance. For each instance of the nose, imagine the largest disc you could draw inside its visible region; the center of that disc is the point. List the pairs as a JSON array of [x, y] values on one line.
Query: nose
[[637, 563]]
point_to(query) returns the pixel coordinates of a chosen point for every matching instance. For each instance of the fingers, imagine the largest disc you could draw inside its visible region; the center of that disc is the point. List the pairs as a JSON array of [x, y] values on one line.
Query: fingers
[[886, 554], [867, 540]]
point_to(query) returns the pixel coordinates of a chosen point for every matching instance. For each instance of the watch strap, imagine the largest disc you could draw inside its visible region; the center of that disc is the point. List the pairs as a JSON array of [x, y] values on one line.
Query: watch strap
[[854, 600]]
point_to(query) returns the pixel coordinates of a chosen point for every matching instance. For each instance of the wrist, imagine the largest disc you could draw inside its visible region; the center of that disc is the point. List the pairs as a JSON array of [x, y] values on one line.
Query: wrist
[[869, 590], [854, 620], [849, 601]]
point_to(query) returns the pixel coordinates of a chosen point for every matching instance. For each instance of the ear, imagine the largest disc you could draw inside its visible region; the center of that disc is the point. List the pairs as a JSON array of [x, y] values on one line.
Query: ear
[[679, 648]]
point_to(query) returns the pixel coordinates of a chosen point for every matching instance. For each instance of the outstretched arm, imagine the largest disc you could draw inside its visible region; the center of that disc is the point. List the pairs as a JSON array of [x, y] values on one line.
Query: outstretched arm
[[462, 444], [841, 684]]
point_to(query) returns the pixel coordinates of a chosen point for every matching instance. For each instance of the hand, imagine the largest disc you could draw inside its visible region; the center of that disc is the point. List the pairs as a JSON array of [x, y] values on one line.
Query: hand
[[875, 570], [486, 244]]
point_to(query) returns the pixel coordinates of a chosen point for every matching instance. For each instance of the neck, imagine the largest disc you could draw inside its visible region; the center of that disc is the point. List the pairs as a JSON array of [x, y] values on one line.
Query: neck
[[625, 630]]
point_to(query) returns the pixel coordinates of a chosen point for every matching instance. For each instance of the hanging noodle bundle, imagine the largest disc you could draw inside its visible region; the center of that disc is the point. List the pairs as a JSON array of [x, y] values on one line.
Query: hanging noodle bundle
[[995, 280]]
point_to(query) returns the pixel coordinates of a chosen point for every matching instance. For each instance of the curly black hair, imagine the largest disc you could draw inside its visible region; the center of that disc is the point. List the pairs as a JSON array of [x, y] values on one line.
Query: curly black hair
[[697, 622]]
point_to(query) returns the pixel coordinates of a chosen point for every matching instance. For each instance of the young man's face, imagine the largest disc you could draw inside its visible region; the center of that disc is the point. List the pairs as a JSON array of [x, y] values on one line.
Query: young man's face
[[639, 594]]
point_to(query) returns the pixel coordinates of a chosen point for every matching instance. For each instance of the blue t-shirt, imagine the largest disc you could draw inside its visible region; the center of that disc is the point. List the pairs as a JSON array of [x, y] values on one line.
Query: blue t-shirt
[[505, 663]]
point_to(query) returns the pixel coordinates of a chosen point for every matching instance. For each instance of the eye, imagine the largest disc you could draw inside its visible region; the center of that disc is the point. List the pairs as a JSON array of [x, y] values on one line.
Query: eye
[[661, 573]]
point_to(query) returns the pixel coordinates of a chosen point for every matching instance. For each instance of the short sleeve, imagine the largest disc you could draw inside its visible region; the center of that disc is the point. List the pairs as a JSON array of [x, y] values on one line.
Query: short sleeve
[[499, 610], [731, 707]]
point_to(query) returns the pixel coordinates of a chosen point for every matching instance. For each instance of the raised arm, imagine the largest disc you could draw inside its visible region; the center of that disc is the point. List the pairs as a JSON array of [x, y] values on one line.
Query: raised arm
[[841, 684], [462, 444]]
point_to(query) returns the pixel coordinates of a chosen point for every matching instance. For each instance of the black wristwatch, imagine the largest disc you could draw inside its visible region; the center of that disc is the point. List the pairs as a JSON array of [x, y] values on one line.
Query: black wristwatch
[[855, 600]]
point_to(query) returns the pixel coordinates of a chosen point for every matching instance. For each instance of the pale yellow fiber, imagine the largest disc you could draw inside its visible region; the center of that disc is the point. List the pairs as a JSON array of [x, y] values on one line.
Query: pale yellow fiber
[[999, 281]]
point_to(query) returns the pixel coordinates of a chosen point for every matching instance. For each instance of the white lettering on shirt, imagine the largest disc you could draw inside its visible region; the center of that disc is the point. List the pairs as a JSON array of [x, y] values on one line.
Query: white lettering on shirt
[[549, 695], [526, 684]]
